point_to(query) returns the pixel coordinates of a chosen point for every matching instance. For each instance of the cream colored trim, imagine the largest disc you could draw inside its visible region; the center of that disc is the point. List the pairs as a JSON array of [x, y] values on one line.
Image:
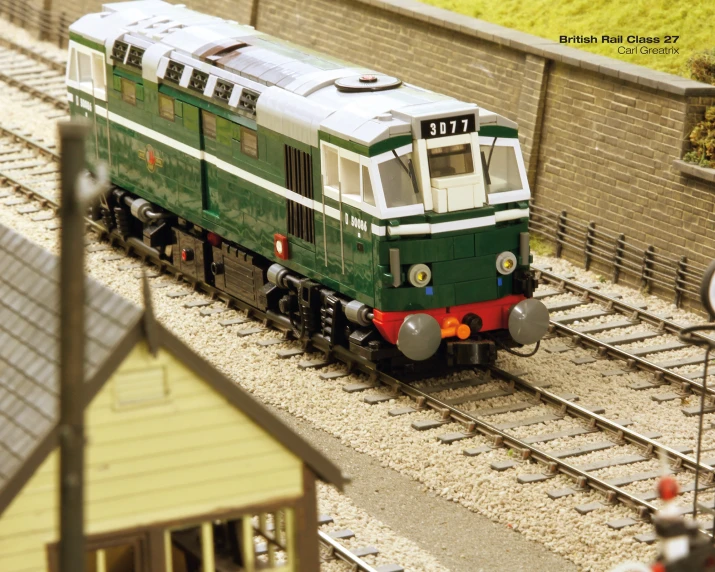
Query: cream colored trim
[[167, 551], [207, 546], [249, 555]]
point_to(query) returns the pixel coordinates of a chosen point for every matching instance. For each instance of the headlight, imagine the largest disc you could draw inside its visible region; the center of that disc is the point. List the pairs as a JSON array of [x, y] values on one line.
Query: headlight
[[419, 275], [506, 263]]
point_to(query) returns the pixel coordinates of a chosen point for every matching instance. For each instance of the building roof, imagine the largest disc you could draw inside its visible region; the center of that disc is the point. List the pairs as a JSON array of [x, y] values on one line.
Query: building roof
[[29, 362], [293, 90]]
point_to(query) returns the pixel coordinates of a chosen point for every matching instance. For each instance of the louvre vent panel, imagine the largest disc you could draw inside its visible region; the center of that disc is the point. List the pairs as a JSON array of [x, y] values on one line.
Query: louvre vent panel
[[299, 179], [135, 57], [198, 80], [223, 90], [248, 101], [119, 51], [174, 71]]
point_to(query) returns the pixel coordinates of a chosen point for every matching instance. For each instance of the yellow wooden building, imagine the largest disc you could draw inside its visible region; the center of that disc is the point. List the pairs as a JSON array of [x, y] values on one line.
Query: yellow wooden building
[[184, 470]]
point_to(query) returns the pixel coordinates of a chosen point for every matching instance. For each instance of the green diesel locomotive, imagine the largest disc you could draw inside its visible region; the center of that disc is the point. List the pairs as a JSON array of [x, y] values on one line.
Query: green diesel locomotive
[[387, 218]]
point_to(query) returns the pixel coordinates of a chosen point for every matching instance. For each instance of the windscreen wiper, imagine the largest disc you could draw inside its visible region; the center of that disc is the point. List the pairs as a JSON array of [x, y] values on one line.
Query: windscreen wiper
[[409, 169]]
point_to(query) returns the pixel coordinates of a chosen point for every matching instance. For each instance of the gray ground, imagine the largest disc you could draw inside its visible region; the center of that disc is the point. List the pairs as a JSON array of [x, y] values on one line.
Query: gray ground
[[461, 540]]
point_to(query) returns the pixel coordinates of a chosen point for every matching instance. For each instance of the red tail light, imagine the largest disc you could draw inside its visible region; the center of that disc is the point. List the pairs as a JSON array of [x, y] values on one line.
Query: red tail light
[[280, 246]]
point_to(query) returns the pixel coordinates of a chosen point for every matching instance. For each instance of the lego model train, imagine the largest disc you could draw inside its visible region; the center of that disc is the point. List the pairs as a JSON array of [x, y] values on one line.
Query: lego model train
[[389, 219]]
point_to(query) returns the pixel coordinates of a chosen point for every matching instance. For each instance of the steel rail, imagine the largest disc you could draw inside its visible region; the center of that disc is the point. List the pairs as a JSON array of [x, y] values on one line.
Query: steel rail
[[661, 374], [553, 464], [339, 551], [35, 92], [29, 192], [49, 62], [620, 432], [571, 286], [41, 149]]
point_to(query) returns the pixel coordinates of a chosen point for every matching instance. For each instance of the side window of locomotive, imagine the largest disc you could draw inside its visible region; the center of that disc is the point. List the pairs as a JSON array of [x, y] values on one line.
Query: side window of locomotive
[[367, 192], [501, 169], [450, 161], [99, 72], [129, 91], [208, 124], [249, 142], [84, 62], [72, 73], [330, 167], [166, 107], [350, 178]]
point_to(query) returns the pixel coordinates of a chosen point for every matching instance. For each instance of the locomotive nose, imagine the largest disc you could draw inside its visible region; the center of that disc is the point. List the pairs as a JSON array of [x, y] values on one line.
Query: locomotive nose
[[419, 336], [528, 321]]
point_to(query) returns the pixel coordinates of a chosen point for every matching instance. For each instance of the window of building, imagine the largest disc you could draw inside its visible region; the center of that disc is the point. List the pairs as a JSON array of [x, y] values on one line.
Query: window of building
[[208, 122], [129, 91], [233, 543], [249, 142], [299, 179], [166, 107]]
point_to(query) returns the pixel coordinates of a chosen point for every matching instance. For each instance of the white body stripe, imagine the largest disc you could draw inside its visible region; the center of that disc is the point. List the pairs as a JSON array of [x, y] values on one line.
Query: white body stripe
[[399, 230], [511, 214]]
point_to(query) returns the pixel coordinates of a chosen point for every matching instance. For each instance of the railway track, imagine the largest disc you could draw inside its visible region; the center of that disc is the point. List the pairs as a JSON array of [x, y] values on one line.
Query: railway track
[[590, 334], [33, 73]]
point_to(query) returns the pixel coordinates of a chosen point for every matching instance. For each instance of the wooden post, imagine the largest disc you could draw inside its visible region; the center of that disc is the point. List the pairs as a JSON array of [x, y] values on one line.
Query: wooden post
[[71, 426]]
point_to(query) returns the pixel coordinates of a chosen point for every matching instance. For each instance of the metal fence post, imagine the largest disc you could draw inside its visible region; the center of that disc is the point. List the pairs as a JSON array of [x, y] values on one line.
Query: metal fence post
[[679, 276], [588, 246], [560, 231], [618, 258], [646, 268]]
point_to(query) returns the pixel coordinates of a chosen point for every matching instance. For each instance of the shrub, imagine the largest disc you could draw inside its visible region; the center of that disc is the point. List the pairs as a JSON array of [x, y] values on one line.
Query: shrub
[[702, 139], [702, 66]]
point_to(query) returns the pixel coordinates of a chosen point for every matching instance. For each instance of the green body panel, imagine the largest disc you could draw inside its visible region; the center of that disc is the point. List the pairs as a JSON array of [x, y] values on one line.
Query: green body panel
[[346, 255]]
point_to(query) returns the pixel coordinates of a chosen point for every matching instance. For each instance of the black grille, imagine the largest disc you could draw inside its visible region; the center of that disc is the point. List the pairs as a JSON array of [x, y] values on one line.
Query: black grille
[[299, 179], [174, 71], [119, 51], [135, 57], [198, 80], [247, 102], [223, 90]]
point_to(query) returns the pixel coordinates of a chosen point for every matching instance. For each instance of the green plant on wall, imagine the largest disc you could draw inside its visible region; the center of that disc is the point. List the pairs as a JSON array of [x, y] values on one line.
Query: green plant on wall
[[702, 139], [701, 66]]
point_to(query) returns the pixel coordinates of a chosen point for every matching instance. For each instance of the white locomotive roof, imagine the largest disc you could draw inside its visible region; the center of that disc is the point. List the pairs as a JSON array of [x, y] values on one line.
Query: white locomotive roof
[[298, 93]]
